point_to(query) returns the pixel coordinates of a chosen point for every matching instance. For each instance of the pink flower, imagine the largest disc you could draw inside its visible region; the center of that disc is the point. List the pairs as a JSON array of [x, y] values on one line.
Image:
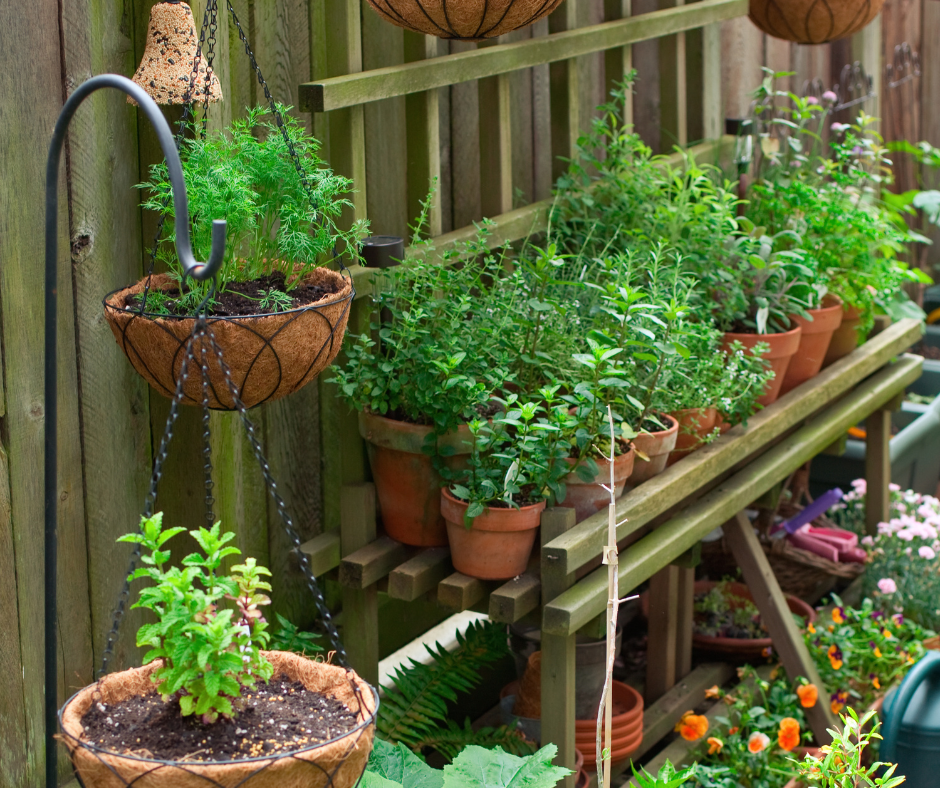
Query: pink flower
[[839, 127], [812, 100], [894, 487], [830, 96], [860, 486], [887, 586], [867, 541]]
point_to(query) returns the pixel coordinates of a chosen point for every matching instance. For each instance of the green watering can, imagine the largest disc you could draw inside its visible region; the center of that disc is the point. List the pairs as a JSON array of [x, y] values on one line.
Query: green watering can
[[911, 728]]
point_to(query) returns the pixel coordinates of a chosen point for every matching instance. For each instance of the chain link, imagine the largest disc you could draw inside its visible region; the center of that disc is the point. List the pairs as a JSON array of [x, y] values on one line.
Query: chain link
[[206, 438]]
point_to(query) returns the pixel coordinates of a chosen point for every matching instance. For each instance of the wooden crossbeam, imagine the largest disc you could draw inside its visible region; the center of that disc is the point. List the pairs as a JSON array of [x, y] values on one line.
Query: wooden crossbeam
[[323, 553], [512, 600], [460, 592], [420, 574], [371, 563]]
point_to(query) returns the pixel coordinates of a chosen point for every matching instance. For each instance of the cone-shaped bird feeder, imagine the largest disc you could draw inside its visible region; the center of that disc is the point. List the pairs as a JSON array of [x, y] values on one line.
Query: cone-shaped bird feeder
[[173, 69]]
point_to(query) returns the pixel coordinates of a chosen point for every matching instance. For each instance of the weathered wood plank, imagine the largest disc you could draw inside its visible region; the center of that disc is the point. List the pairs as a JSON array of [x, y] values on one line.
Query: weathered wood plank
[[640, 506], [360, 605], [512, 600], [685, 624], [384, 83], [459, 592], [323, 552], [877, 469], [776, 616], [558, 699], [663, 633], [419, 575], [555, 521], [575, 607], [423, 137], [371, 563]]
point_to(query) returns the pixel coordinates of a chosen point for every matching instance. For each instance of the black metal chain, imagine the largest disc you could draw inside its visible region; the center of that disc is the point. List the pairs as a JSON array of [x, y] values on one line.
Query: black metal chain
[[206, 439], [212, 10]]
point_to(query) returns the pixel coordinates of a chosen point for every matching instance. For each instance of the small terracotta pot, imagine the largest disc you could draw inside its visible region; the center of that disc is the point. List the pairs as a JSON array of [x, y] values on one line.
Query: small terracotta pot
[[814, 342], [782, 349], [656, 446], [588, 498], [626, 727], [406, 484], [845, 337], [695, 424], [498, 545]]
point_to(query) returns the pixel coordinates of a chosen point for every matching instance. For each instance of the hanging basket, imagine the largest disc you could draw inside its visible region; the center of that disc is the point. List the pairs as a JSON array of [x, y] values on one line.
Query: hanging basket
[[338, 763], [463, 20], [269, 356], [813, 21]]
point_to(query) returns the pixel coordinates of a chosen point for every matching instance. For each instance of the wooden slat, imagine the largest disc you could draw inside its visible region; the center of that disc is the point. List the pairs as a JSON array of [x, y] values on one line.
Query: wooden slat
[[558, 655], [423, 116], [555, 521], [371, 563], [583, 543], [877, 469], [496, 145], [686, 591], [459, 592], [323, 552], [775, 615], [711, 81], [663, 632], [512, 600], [420, 574], [360, 605], [383, 83], [570, 611]]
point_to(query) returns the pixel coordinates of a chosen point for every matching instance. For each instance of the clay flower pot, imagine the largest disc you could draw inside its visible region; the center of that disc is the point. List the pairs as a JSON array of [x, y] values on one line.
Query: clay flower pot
[[498, 545], [626, 727], [695, 424], [813, 21], [343, 759], [656, 446], [782, 349], [845, 337], [814, 342], [269, 356], [467, 20], [406, 484], [587, 498]]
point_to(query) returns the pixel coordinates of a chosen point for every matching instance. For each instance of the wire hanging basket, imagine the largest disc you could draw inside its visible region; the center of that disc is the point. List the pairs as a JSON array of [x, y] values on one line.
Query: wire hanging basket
[[813, 21], [463, 20]]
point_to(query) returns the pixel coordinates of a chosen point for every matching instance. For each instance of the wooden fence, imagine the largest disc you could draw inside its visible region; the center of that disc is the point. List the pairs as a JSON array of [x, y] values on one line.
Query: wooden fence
[[490, 123]]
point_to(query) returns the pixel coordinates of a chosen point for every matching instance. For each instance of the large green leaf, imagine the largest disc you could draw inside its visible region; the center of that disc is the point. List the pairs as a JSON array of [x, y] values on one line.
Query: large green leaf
[[397, 763], [477, 767]]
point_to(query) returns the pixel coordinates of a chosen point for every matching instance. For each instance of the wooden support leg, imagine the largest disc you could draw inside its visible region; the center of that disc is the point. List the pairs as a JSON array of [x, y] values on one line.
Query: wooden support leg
[[360, 605], [776, 616], [558, 699], [662, 640], [877, 468], [686, 594]]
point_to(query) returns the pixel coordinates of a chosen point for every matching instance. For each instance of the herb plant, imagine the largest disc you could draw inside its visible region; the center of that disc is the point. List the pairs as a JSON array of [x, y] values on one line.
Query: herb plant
[[721, 613], [246, 176], [210, 653], [289, 637]]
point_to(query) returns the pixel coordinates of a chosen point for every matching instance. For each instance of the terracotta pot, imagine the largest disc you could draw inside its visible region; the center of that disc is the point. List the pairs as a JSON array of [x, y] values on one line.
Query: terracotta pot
[[626, 727], [268, 356], [656, 446], [812, 21], [782, 348], [589, 498], [498, 545], [342, 759], [845, 337], [814, 342], [464, 19], [695, 424], [406, 485]]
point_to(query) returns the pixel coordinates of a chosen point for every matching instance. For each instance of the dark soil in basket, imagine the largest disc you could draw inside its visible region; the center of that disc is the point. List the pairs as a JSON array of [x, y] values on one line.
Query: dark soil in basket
[[244, 298], [278, 716]]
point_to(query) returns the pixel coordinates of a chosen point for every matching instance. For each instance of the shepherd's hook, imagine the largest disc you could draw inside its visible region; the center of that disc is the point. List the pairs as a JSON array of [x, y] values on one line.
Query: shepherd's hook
[[191, 267]]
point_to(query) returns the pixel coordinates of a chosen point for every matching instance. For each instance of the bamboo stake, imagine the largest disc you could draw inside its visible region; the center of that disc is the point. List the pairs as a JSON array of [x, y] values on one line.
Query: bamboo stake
[[605, 709]]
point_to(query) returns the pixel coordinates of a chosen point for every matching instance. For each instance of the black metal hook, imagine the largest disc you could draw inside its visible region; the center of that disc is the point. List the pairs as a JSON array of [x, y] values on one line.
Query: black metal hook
[[191, 266]]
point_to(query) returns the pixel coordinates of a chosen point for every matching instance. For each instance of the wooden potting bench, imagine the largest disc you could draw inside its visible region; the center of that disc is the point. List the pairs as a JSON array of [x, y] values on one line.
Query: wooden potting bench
[[661, 523]]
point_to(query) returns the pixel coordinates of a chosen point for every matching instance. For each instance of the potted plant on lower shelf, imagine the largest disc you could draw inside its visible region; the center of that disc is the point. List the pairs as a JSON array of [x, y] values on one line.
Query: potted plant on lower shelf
[[211, 705], [278, 311]]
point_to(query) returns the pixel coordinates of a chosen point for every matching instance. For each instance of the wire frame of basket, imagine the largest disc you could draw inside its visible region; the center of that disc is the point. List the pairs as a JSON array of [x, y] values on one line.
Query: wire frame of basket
[[336, 763], [463, 20], [269, 356], [813, 21]]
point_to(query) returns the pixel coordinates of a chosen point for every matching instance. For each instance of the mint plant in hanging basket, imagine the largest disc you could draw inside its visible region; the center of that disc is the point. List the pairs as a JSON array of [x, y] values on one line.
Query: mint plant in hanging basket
[[278, 311], [212, 708]]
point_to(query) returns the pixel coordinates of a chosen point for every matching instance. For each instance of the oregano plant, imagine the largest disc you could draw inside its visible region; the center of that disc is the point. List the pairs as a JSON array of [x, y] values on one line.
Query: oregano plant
[[209, 651]]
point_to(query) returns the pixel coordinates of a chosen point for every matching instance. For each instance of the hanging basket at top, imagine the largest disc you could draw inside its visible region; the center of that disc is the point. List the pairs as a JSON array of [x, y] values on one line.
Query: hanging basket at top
[[464, 20], [813, 21]]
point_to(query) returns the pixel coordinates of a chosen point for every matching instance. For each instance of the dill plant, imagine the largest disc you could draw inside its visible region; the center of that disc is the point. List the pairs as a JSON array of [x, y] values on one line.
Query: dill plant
[[245, 175]]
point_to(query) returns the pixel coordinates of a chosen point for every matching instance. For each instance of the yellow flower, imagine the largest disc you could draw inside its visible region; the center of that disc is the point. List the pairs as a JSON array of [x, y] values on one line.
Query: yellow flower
[[886, 632], [811, 629], [831, 627], [877, 652]]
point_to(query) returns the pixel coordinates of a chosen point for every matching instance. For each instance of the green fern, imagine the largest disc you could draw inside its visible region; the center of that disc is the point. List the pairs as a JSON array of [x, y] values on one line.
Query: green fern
[[414, 711]]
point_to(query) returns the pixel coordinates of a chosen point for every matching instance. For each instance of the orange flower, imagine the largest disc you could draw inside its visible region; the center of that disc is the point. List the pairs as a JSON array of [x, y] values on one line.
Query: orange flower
[[811, 629], [808, 695], [886, 632], [713, 692], [692, 726], [835, 656], [838, 615], [789, 734], [875, 682], [733, 730], [877, 652], [838, 700], [758, 742], [714, 745]]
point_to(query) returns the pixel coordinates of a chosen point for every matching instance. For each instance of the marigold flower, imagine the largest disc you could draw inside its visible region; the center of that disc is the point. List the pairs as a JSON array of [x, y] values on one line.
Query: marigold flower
[[714, 745], [713, 692], [789, 734], [838, 700], [838, 615], [835, 656], [808, 695], [758, 742], [692, 726]]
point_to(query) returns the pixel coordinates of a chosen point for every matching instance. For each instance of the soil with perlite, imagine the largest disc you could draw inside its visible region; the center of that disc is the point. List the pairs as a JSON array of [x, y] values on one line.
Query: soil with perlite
[[278, 716]]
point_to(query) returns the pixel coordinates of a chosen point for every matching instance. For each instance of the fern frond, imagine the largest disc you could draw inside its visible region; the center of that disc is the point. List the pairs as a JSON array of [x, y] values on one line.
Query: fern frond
[[451, 740], [415, 709]]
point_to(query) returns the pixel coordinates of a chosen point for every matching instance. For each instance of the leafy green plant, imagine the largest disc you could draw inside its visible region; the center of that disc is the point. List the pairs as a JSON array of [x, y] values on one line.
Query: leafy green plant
[[245, 175], [209, 653], [414, 711], [289, 637], [475, 767], [667, 776], [721, 613]]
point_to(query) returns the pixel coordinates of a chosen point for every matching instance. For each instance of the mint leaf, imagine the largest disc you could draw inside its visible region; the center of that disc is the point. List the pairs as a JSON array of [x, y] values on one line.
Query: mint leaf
[[477, 767]]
